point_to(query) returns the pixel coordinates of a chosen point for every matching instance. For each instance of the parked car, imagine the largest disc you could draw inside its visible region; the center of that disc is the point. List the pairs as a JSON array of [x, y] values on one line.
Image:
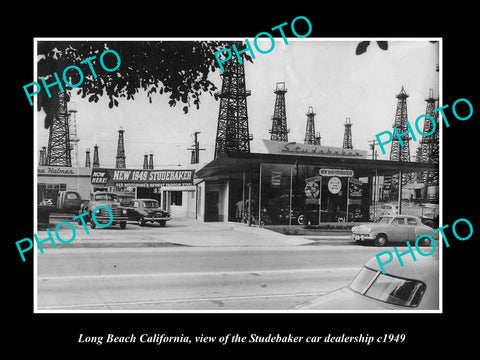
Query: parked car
[[429, 215], [413, 286], [125, 198], [69, 201], [384, 209], [393, 228], [296, 214], [147, 210], [109, 199]]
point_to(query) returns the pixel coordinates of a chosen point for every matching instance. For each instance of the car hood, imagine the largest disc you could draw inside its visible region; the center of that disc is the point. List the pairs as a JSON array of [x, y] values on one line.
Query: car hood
[[107, 203], [344, 299], [364, 227]]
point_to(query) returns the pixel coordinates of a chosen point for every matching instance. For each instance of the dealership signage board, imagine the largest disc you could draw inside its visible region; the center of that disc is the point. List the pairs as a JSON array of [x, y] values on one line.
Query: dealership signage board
[[142, 178], [294, 148], [336, 172]]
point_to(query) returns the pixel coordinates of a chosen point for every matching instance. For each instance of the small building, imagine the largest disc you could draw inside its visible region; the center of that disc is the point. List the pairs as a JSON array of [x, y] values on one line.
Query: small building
[[174, 187], [52, 179]]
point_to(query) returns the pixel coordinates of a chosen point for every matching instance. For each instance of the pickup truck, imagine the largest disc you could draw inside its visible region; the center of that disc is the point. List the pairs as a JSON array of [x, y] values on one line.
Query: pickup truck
[[69, 201], [110, 200]]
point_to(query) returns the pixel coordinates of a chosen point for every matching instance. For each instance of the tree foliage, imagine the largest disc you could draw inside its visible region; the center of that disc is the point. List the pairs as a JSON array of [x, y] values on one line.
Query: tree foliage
[[177, 68]]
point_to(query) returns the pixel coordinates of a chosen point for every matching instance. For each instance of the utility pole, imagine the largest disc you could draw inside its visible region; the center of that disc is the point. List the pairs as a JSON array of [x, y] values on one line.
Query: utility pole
[[195, 159]]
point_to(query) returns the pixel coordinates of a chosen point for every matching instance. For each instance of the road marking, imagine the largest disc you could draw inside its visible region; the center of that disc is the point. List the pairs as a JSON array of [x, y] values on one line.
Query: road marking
[[186, 274], [146, 302]]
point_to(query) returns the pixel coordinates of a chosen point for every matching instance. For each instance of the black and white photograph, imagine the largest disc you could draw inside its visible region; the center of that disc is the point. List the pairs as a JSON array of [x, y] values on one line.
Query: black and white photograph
[[273, 183], [261, 187]]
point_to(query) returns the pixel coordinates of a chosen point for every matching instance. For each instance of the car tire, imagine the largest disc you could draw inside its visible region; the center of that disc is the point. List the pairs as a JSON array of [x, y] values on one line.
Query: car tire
[[141, 222], [123, 225], [162, 223], [381, 240], [425, 242], [428, 223]]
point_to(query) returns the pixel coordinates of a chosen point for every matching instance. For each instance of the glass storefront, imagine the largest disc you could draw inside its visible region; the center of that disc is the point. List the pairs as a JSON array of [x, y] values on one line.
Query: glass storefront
[[281, 194]]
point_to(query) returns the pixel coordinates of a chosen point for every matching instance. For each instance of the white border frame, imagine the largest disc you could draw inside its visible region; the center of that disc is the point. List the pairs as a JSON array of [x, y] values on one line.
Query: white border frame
[[35, 167]]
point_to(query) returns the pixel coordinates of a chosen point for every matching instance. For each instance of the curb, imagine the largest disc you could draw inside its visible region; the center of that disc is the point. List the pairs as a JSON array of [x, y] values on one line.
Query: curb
[[96, 244]]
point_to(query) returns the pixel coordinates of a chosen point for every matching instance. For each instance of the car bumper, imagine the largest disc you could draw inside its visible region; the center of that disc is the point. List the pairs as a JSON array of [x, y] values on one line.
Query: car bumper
[[362, 237], [155, 218], [107, 219]]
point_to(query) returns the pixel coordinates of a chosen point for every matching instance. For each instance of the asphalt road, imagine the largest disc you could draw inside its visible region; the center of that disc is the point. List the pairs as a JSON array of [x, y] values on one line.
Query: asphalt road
[[193, 278]]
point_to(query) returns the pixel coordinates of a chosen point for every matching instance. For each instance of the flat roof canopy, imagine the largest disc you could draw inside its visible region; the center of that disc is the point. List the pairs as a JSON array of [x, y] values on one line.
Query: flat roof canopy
[[229, 163]]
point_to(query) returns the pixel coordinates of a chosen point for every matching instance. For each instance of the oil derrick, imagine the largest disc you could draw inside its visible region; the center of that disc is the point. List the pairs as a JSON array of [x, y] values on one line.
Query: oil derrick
[[195, 158], [232, 127], [145, 161], [43, 156], [150, 161], [398, 152], [59, 148], [87, 158], [72, 121], [310, 136], [429, 145], [96, 161], [120, 163], [279, 131], [347, 136]]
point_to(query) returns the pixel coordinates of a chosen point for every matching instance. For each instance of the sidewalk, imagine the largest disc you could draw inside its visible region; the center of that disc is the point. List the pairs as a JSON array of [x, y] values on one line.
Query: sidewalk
[[183, 232]]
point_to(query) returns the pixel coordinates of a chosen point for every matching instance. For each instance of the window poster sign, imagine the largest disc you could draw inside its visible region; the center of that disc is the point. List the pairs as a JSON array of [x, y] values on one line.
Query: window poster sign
[[334, 185]]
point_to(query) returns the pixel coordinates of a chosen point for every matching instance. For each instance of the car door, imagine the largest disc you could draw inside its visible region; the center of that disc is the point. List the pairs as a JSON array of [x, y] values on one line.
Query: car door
[[412, 228], [132, 211], [398, 230]]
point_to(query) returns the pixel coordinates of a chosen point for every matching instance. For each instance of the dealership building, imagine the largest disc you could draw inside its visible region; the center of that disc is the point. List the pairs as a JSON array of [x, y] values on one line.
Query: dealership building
[[282, 183], [286, 180]]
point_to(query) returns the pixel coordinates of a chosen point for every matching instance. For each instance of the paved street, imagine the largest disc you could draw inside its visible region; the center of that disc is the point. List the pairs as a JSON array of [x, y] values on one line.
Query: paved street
[[223, 267]]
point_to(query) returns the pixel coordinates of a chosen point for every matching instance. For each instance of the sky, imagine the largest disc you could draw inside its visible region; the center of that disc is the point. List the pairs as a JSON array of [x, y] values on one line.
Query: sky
[[322, 73]]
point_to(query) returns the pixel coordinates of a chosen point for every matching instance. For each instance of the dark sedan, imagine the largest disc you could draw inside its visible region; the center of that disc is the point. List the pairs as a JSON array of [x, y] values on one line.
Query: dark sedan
[[147, 210]]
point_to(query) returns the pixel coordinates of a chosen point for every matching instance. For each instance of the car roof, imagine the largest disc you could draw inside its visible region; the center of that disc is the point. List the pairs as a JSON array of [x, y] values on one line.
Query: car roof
[[424, 268], [401, 216]]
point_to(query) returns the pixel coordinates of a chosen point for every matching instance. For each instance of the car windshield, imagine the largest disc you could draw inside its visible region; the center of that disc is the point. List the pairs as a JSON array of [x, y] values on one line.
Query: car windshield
[[384, 220], [106, 197], [389, 289], [150, 204]]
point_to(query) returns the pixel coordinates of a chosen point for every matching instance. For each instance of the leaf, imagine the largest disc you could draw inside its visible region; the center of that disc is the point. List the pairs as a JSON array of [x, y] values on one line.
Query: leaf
[[383, 45], [362, 47]]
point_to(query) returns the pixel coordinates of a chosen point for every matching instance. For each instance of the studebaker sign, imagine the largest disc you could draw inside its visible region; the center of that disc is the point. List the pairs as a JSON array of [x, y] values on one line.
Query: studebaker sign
[[143, 178]]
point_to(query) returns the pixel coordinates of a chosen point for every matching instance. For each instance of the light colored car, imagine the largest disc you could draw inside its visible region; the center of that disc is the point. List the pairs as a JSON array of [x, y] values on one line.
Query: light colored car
[[385, 209], [413, 286], [393, 228]]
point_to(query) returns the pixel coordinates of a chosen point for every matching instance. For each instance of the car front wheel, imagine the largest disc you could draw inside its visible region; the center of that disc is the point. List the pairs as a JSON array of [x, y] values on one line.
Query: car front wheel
[[141, 222], [425, 242], [162, 223], [381, 240], [123, 225]]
